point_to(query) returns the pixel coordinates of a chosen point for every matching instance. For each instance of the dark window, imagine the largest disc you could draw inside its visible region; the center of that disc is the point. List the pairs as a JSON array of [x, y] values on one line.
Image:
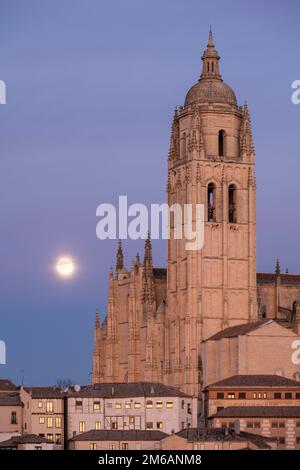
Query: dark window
[[256, 424], [288, 396], [13, 417], [297, 440], [232, 204], [242, 395], [274, 424], [220, 395], [281, 440], [277, 396], [281, 424], [219, 408], [249, 424], [211, 203], [182, 404], [297, 396], [221, 139]]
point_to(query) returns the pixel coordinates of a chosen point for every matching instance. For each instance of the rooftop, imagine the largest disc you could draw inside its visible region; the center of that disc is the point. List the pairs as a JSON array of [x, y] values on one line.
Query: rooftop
[[221, 434], [239, 330], [259, 412], [127, 390], [255, 381], [9, 399], [7, 385], [25, 439], [118, 435]]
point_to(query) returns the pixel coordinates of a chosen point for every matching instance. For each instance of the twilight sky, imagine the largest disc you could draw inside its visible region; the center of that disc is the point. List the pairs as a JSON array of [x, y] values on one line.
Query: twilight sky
[[91, 89]]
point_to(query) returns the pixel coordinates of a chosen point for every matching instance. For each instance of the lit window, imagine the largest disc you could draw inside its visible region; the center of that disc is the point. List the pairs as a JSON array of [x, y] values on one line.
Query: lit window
[[114, 425], [93, 446], [40, 404], [131, 419], [159, 424], [170, 404], [231, 395], [264, 395], [49, 422], [50, 437], [96, 405], [97, 425], [137, 404], [127, 404], [254, 395], [149, 404], [42, 420], [49, 406], [259, 395], [118, 404], [112, 446], [159, 404], [124, 446], [58, 422], [81, 426]]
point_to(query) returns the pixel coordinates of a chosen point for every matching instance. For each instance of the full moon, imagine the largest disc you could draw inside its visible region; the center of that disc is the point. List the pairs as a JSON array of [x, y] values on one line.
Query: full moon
[[65, 267]]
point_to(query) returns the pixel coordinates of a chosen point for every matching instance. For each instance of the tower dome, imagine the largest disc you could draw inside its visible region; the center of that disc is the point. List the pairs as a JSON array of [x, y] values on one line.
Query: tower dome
[[210, 88]]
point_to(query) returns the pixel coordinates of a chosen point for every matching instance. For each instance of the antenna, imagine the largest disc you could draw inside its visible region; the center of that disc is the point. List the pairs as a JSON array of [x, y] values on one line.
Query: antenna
[[22, 377]]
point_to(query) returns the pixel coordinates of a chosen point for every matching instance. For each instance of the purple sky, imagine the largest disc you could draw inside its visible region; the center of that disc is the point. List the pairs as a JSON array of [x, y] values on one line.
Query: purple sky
[[91, 89]]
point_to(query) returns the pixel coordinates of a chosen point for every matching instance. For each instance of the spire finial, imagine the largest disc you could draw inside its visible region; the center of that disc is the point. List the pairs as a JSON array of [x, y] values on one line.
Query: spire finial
[[120, 257], [97, 322], [277, 268], [210, 38], [210, 60]]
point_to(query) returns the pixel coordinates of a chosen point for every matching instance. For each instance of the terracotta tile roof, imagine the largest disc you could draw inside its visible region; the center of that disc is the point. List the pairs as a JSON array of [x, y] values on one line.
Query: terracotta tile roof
[[255, 381], [45, 392], [7, 385], [259, 412], [25, 439], [124, 390], [221, 434], [238, 330], [118, 435], [10, 399]]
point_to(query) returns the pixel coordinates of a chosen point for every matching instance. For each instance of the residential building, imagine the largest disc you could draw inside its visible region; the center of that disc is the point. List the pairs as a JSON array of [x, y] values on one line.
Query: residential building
[[43, 413], [129, 406]]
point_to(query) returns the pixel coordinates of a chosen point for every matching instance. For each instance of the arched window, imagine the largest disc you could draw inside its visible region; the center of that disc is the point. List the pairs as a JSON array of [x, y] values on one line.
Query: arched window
[[212, 67], [211, 203], [221, 143], [232, 204]]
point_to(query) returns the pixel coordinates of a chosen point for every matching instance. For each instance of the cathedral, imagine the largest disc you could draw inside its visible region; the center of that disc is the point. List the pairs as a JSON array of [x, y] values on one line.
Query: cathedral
[[158, 319]]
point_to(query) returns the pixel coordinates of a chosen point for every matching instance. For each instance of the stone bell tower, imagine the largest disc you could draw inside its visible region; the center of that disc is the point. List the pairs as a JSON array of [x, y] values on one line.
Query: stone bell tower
[[211, 162]]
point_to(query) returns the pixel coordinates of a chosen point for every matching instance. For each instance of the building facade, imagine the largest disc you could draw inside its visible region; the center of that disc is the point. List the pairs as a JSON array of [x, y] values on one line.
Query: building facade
[[157, 319], [129, 407]]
